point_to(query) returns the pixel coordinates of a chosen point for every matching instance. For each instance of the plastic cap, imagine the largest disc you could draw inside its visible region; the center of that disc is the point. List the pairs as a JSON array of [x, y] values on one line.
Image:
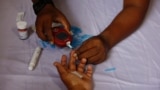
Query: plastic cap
[[30, 68], [21, 24], [69, 44]]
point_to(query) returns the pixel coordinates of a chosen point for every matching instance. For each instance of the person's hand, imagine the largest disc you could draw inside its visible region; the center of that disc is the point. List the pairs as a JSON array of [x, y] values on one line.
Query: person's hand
[[45, 18], [83, 81], [95, 50]]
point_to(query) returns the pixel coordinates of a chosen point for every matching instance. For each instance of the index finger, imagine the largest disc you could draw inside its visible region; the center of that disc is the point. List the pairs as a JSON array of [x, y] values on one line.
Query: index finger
[[48, 30], [65, 23], [39, 30]]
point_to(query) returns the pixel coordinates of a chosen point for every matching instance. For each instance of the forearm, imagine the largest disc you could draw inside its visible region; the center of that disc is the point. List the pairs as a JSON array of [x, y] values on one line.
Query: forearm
[[42, 5], [34, 1], [125, 23]]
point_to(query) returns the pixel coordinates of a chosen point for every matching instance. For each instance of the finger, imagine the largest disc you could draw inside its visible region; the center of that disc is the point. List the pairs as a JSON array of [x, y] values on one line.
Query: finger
[[65, 23], [102, 58], [64, 61], [83, 48], [48, 30], [96, 59], [93, 60], [60, 68], [39, 30], [89, 71], [72, 65], [88, 53], [81, 65], [75, 56]]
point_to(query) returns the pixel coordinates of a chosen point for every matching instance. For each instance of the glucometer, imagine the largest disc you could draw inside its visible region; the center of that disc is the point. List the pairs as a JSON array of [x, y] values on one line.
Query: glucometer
[[61, 37]]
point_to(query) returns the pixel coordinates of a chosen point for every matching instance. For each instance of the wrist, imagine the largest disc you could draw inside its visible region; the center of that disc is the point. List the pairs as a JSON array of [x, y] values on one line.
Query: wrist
[[106, 39], [39, 5]]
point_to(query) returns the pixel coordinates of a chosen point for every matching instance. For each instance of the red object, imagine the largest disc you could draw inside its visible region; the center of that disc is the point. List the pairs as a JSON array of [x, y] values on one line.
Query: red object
[[61, 36]]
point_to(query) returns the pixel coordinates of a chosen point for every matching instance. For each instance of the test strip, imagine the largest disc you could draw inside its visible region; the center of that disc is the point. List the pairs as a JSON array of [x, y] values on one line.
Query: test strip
[[35, 58]]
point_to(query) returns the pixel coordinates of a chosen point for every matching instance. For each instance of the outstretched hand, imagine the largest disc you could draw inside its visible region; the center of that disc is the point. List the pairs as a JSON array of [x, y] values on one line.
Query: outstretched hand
[[82, 81]]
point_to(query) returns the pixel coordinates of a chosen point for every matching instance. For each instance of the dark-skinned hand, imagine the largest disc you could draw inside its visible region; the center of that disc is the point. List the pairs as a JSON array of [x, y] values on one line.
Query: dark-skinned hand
[[45, 18], [72, 81], [95, 50]]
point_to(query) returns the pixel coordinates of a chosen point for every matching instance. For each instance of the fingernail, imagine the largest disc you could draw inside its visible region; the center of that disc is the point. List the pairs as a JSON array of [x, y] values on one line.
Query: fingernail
[[75, 54], [84, 59]]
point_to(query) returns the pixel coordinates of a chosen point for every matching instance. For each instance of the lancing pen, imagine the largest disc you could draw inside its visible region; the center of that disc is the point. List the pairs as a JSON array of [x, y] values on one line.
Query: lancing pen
[[35, 58]]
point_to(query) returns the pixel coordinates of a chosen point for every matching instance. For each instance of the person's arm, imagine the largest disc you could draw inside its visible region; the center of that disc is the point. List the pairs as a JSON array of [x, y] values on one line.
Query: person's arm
[[34, 1], [126, 22]]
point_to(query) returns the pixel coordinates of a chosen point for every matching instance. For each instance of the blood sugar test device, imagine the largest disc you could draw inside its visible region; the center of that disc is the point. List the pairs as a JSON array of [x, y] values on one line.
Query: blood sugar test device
[[61, 37]]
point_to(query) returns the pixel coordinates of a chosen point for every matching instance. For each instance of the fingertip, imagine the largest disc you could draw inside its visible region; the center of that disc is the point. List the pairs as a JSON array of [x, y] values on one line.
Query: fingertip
[[72, 61], [66, 25], [72, 53], [55, 63], [78, 55], [89, 71], [90, 67], [64, 58], [84, 60], [67, 28], [75, 55]]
